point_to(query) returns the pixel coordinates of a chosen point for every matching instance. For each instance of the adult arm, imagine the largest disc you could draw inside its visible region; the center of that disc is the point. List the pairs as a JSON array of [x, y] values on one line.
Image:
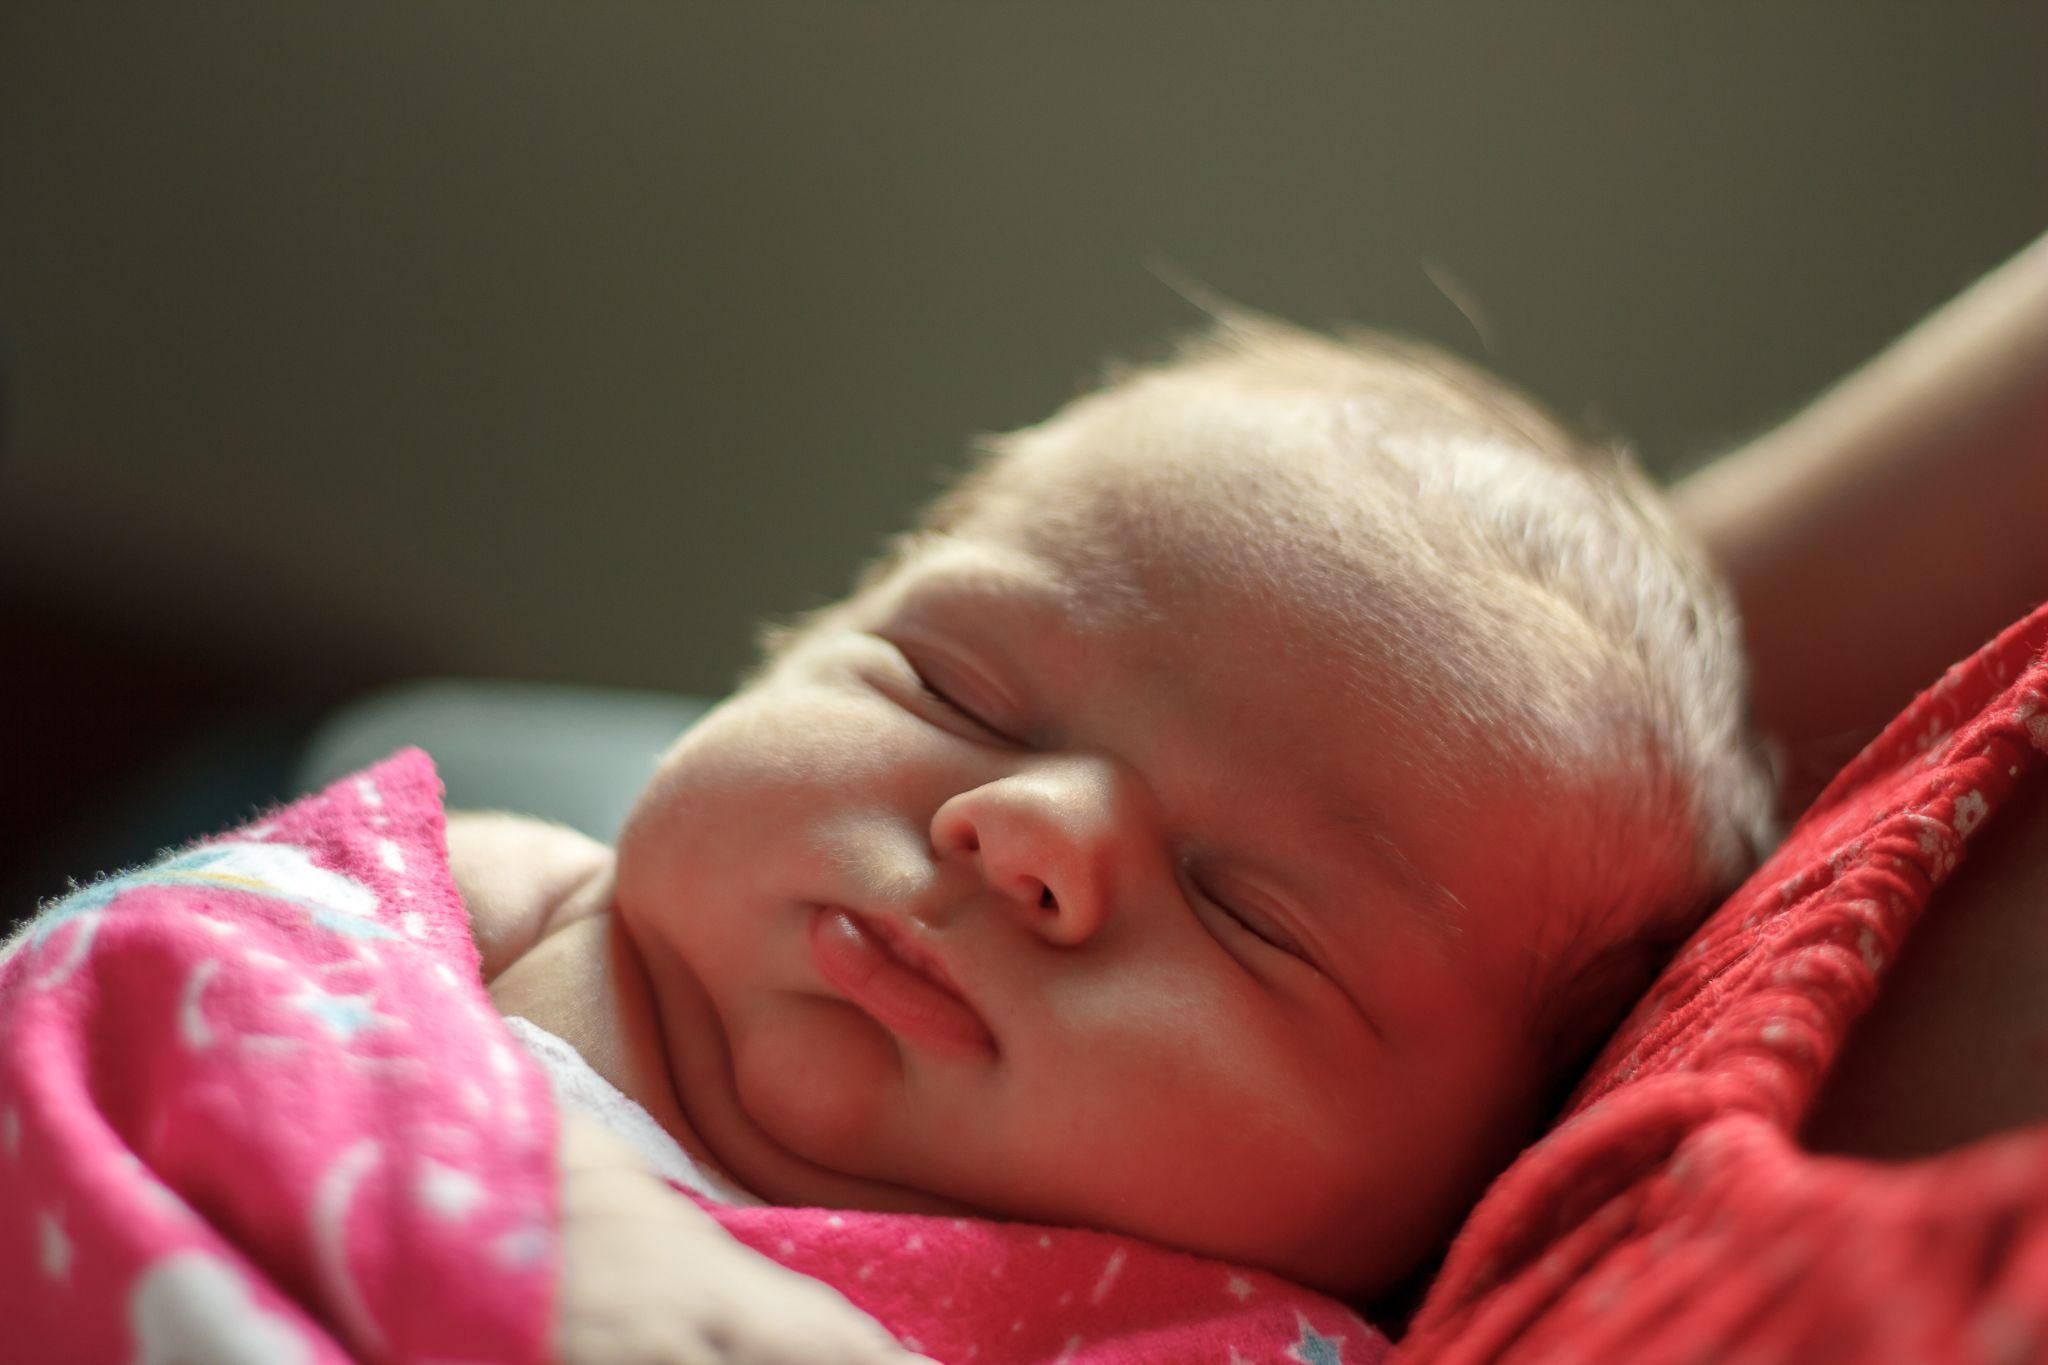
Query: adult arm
[[1894, 525]]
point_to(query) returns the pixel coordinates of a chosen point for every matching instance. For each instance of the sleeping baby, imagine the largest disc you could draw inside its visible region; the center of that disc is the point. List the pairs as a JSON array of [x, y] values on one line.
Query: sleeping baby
[[1226, 820]]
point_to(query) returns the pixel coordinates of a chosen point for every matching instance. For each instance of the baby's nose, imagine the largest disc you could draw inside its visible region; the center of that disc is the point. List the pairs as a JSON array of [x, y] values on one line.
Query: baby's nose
[[1051, 839]]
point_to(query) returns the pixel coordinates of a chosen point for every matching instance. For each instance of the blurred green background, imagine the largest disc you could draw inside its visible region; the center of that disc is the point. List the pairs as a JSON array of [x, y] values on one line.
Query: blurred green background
[[564, 342]]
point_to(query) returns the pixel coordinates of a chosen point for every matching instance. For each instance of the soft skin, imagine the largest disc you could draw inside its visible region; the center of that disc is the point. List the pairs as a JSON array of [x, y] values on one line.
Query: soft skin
[[1228, 945]]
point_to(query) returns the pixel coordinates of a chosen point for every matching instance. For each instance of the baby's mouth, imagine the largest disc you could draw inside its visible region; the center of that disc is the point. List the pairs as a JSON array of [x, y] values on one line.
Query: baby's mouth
[[880, 970]]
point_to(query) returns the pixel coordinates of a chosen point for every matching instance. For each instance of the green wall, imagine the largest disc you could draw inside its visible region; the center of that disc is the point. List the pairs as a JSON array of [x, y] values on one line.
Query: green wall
[[566, 341]]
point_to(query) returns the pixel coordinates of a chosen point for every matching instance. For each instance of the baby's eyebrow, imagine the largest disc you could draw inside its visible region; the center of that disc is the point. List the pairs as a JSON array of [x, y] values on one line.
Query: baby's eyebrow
[[973, 568]]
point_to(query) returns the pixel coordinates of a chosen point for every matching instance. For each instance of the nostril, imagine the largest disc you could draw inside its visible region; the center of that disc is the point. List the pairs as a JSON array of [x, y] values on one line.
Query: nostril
[[1045, 898]]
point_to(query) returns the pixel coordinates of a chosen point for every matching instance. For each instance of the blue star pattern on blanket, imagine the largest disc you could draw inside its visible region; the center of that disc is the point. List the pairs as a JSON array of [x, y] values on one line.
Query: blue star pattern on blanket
[[343, 1016], [1313, 1348]]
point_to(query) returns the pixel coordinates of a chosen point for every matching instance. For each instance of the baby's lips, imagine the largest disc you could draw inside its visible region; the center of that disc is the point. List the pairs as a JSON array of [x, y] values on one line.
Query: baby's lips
[[904, 947], [908, 996]]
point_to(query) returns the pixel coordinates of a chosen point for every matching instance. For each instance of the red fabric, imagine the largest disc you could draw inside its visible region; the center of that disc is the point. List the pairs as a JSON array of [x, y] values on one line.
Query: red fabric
[[1673, 1215]]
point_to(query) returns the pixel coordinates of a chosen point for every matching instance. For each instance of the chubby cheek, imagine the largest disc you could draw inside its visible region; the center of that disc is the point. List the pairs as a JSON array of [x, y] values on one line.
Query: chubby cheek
[[1177, 1081], [701, 837], [737, 797], [1251, 1157], [794, 749]]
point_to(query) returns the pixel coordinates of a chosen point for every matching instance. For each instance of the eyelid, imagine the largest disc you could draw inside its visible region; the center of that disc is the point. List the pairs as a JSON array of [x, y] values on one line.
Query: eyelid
[[1255, 920], [940, 684], [1324, 971]]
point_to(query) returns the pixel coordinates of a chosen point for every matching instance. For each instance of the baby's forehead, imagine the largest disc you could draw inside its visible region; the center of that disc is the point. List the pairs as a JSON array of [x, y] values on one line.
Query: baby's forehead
[[1186, 494]]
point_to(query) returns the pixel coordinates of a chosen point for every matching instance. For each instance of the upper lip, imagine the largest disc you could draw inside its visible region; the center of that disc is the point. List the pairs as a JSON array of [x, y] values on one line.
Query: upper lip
[[902, 944]]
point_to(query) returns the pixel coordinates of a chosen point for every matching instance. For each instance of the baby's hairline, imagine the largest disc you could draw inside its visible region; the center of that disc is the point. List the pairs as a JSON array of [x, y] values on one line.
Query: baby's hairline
[[1231, 343]]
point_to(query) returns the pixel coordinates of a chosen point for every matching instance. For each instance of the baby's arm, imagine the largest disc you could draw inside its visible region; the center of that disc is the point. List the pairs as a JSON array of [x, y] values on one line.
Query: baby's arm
[[647, 1277], [1895, 524]]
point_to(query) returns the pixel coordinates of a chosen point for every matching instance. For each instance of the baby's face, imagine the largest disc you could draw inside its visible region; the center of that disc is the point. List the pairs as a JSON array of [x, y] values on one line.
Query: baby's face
[[1102, 865]]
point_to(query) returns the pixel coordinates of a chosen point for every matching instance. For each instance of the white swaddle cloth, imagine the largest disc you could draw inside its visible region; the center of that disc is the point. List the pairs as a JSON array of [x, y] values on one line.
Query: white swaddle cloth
[[578, 1087]]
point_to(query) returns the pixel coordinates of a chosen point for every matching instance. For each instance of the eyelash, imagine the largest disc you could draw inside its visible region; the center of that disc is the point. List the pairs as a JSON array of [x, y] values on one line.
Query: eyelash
[[1272, 938], [943, 698]]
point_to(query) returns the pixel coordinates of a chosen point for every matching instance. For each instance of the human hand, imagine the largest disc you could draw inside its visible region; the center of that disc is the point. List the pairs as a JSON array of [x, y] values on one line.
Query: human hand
[[649, 1279]]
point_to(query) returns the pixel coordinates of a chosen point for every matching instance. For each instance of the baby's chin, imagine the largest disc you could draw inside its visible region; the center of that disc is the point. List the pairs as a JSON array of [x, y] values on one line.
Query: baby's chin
[[815, 1084], [796, 1121]]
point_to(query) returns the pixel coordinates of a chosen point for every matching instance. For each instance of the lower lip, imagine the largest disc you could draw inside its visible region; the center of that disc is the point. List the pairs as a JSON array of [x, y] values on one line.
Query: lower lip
[[904, 1001]]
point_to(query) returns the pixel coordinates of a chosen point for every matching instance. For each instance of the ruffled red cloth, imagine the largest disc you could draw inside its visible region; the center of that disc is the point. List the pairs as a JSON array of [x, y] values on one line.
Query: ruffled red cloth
[[1673, 1215]]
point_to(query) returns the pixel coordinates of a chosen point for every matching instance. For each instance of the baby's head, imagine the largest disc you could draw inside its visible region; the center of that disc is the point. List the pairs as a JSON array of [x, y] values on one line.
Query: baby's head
[[1225, 819]]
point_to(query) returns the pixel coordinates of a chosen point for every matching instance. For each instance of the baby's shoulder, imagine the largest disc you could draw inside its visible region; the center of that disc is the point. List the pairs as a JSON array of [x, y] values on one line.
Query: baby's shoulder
[[522, 880]]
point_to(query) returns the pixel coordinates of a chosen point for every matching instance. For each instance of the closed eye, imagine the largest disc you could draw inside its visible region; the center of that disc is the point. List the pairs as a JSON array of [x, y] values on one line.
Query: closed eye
[[945, 698], [1251, 921], [1250, 914], [933, 692]]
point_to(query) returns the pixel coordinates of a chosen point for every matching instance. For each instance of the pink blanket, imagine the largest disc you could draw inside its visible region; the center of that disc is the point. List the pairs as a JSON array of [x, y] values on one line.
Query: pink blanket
[[255, 1106]]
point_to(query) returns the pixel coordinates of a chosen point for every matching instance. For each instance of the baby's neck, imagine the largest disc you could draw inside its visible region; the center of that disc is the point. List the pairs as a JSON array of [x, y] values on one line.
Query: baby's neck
[[583, 983]]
